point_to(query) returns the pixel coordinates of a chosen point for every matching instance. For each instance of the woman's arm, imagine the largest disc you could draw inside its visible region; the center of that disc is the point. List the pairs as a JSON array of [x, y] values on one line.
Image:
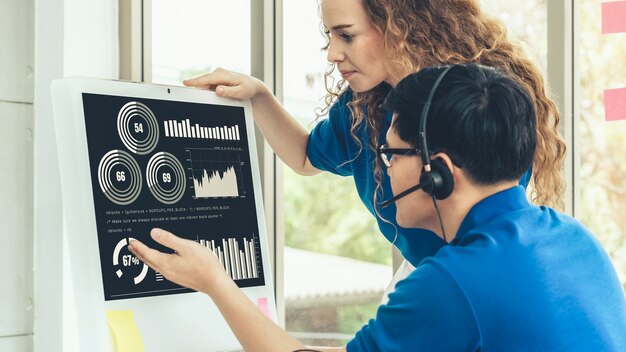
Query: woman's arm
[[284, 134]]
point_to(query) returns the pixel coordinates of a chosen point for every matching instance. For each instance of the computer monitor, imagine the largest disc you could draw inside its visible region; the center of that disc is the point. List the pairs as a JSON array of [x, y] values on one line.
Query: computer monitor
[[137, 156]]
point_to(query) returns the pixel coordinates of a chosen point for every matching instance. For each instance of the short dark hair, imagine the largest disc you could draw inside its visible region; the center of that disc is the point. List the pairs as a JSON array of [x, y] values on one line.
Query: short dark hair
[[484, 120]]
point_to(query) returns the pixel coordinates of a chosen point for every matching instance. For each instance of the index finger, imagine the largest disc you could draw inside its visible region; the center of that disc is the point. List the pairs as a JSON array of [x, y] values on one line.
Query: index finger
[[168, 239], [208, 80], [151, 257]]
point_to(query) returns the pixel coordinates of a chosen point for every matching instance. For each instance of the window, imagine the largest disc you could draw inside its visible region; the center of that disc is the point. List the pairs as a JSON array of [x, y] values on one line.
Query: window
[[193, 37], [526, 22], [602, 173]]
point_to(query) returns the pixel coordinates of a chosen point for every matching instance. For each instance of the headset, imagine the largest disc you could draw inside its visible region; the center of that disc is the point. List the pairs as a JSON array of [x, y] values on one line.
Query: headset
[[436, 178]]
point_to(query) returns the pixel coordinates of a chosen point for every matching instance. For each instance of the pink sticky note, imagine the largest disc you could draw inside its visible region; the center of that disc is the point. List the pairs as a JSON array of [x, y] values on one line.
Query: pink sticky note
[[614, 17], [262, 304], [615, 104]]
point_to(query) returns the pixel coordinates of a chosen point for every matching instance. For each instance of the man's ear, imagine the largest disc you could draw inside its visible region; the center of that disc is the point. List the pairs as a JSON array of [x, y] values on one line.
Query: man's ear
[[459, 177], [441, 178], [445, 158]]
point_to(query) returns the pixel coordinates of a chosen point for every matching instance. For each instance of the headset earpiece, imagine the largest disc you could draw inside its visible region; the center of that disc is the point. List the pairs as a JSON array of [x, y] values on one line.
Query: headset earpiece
[[439, 181]]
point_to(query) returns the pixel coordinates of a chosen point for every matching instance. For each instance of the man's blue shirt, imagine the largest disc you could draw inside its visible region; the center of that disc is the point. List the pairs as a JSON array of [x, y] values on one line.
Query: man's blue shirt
[[516, 277], [332, 148]]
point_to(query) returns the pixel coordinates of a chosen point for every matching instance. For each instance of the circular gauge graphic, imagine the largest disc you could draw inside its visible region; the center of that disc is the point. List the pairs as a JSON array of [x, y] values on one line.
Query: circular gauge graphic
[[119, 177], [166, 178], [138, 128], [125, 263]]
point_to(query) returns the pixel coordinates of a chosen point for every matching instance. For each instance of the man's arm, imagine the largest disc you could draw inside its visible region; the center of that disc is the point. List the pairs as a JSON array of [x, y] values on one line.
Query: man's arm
[[252, 328], [193, 266]]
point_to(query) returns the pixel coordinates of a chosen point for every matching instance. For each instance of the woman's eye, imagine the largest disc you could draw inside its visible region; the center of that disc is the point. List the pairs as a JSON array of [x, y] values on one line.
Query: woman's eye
[[346, 37]]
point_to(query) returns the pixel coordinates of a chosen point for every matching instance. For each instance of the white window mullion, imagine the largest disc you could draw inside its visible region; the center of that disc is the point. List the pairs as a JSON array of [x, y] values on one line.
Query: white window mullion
[[562, 81], [131, 19], [146, 44], [266, 51]]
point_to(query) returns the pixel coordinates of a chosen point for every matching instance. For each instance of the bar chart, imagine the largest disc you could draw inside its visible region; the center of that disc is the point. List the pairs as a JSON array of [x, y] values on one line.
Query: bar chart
[[239, 259], [185, 129]]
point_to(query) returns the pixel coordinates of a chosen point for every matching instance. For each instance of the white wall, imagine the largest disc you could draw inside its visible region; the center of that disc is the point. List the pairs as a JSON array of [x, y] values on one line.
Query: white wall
[[72, 38], [16, 174], [63, 38]]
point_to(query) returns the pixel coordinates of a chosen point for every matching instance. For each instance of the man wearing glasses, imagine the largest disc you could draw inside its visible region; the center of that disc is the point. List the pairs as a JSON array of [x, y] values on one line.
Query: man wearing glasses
[[512, 277]]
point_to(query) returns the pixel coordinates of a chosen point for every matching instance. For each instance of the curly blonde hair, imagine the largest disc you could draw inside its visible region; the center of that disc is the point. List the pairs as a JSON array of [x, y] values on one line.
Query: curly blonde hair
[[422, 33]]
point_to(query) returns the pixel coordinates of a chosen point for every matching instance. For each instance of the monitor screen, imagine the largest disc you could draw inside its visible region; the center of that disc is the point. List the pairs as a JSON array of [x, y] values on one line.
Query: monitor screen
[[180, 166]]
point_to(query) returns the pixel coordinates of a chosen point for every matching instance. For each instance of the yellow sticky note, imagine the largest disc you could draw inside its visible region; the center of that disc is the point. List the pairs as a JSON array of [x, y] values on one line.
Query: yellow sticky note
[[125, 333]]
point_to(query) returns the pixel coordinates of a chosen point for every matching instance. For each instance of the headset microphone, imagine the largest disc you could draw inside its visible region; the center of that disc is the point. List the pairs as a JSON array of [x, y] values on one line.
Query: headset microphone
[[400, 195]]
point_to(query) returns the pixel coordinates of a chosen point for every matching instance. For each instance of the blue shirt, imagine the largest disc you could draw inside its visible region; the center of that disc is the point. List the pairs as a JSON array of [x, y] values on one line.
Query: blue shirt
[[332, 148], [516, 277]]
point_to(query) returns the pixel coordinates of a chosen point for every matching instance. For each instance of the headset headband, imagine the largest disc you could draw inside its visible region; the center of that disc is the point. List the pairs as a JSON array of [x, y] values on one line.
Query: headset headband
[[424, 116]]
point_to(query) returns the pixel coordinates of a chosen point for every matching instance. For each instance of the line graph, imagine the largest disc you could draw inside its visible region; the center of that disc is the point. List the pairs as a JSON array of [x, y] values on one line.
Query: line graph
[[216, 173]]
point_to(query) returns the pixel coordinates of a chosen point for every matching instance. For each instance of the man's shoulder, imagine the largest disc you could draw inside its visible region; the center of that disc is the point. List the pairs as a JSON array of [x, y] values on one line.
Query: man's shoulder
[[432, 271], [534, 222]]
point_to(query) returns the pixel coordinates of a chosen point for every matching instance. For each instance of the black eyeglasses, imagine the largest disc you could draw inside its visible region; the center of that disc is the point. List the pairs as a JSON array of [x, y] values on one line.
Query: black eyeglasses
[[385, 153]]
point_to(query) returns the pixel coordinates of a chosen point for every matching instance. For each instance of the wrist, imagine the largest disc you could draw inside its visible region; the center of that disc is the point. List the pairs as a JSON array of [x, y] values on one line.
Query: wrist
[[216, 281], [261, 91]]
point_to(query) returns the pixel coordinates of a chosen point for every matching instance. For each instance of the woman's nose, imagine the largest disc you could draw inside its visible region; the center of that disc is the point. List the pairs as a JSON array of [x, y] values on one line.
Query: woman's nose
[[335, 52]]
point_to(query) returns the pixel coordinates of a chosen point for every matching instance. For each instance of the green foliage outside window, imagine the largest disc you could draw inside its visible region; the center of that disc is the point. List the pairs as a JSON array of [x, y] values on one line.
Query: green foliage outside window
[[323, 213]]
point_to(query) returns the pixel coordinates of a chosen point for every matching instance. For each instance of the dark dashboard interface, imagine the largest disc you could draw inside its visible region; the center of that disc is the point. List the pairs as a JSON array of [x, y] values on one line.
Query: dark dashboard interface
[[180, 166]]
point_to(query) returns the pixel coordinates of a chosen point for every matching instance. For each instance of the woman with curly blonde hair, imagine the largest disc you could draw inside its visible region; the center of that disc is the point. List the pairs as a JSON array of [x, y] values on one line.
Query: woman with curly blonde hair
[[374, 44]]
